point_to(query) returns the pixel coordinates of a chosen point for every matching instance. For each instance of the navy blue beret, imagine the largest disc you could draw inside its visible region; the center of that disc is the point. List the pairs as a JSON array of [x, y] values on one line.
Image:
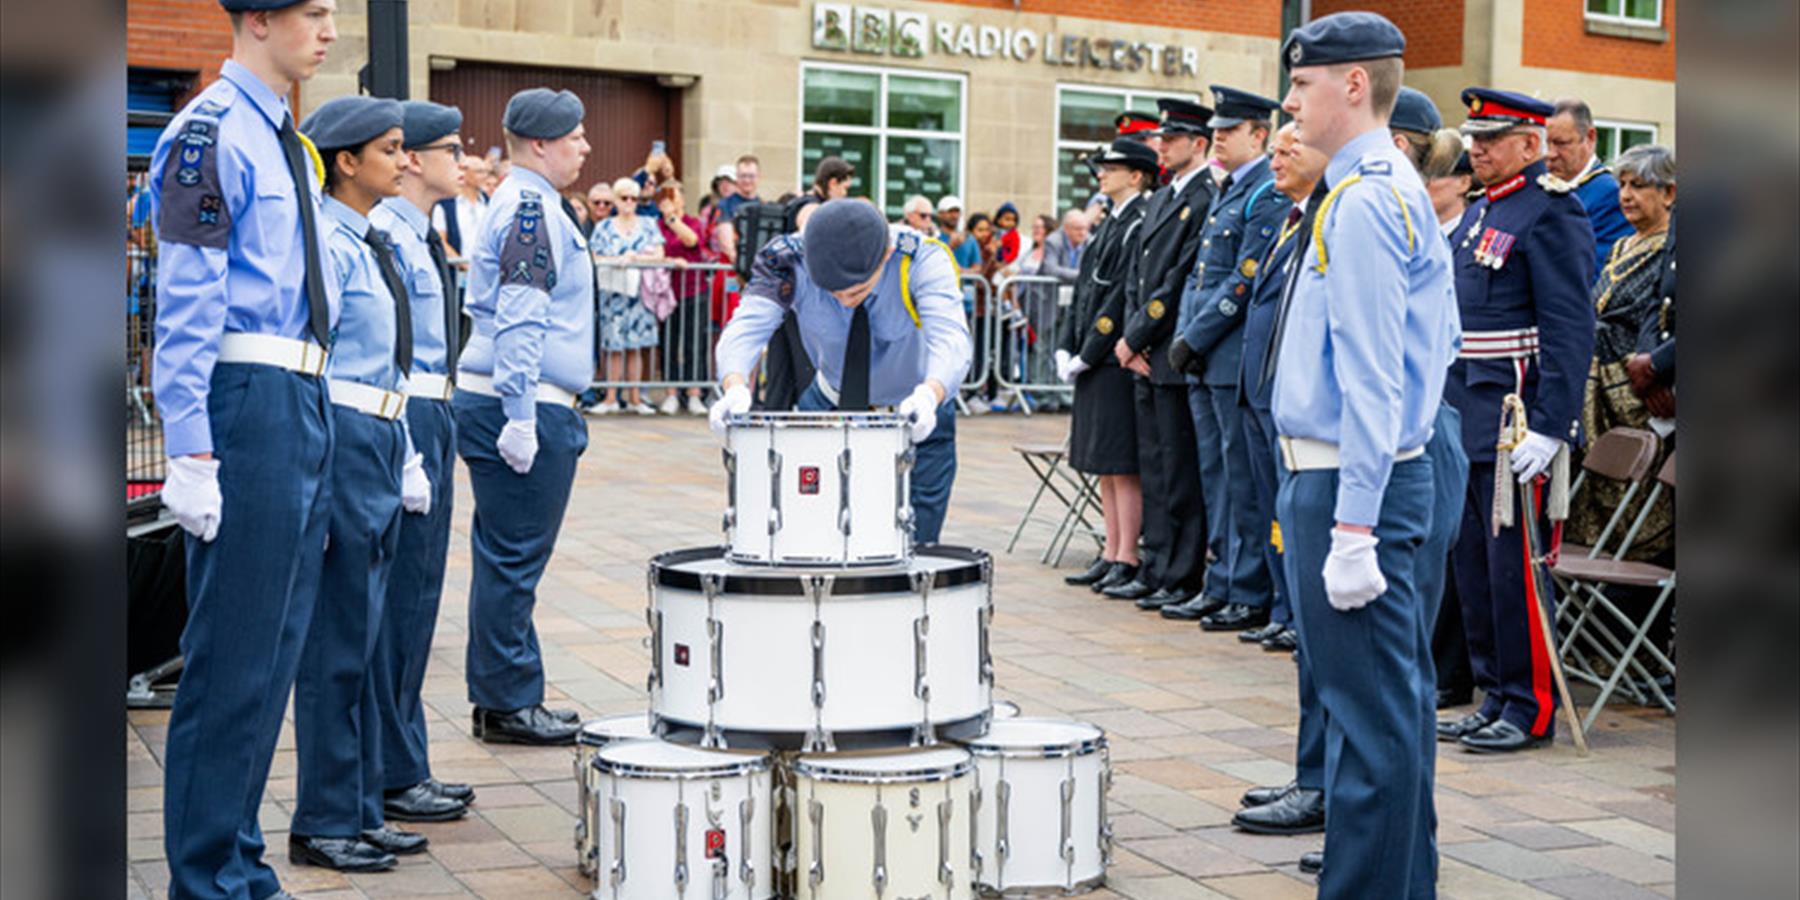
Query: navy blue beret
[[543, 114], [1413, 111], [352, 121], [1341, 38], [1126, 152], [427, 121], [846, 243], [1492, 111], [1232, 106], [256, 5], [1184, 117]]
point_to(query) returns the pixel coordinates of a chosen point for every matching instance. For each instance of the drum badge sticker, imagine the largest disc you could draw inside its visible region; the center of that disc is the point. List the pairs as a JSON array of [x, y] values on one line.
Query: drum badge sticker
[[809, 480], [681, 655]]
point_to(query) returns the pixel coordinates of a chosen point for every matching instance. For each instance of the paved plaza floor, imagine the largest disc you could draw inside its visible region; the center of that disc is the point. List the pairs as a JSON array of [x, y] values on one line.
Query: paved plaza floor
[[1193, 718]]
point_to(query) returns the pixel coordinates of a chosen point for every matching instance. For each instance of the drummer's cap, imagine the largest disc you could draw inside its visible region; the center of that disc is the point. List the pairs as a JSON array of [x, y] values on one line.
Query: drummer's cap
[[846, 242]]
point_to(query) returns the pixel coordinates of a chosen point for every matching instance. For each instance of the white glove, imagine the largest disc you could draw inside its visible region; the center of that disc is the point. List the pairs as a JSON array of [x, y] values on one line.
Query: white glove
[[734, 402], [1533, 455], [920, 408], [191, 492], [415, 487], [518, 444], [1062, 366], [1352, 575], [1076, 367]]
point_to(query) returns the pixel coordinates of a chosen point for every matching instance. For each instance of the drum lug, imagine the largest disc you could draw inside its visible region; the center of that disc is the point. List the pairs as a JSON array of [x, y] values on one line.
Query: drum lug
[[819, 740], [985, 623], [923, 735], [976, 861], [844, 491], [730, 457], [774, 492], [654, 618], [1106, 827], [615, 872], [746, 872], [721, 879], [1067, 844], [712, 584], [815, 870], [945, 873], [1002, 825], [903, 511], [681, 866], [878, 819]]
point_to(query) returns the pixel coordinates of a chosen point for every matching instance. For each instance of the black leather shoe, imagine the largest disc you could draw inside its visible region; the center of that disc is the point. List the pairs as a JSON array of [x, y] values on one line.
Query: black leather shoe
[[563, 715], [1236, 617], [1448, 697], [1194, 610], [1120, 573], [395, 841], [1286, 642], [420, 803], [454, 790], [1501, 736], [1258, 635], [1299, 811], [1266, 794], [1130, 590], [1094, 573], [531, 725], [1312, 862], [340, 854], [1163, 597], [1451, 729]]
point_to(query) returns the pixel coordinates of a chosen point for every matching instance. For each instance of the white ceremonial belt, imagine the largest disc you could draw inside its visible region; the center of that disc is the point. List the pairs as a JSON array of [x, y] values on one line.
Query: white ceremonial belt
[[429, 386], [832, 394], [1306, 454], [476, 383], [1510, 343], [366, 398], [304, 357]]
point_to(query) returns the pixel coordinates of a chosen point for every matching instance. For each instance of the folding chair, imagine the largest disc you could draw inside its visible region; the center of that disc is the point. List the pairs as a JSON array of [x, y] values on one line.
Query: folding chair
[[1074, 490], [1603, 626]]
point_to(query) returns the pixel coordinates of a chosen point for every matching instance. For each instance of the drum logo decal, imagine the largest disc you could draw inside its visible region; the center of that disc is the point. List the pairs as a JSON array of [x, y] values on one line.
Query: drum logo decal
[[681, 654], [715, 843], [809, 480]]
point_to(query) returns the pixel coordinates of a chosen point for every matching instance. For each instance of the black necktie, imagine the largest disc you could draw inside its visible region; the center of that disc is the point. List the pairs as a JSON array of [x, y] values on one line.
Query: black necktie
[[384, 260], [297, 164], [1296, 262], [452, 314], [853, 391], [1226, 184]]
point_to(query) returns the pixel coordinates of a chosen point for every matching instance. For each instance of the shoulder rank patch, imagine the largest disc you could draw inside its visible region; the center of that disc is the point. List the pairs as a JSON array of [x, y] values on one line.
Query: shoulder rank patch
[[907, 242], [1554, 185], [524, 260], [1155, 309], [1248, 267], [1104, 325], [192, 205], [1375, 167]]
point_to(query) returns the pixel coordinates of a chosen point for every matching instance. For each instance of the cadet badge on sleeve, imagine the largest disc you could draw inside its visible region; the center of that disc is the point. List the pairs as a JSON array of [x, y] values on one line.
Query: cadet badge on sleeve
[[1156, 309], [1248, 268], [1104, 325]]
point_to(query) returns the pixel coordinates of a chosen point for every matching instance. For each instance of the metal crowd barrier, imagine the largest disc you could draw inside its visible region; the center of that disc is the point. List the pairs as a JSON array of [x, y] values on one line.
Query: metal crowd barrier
[[1024, 339], [679, 355]]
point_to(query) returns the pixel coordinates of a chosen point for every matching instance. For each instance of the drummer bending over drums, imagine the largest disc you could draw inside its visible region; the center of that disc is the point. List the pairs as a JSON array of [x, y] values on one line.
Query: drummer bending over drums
[[881, 315]]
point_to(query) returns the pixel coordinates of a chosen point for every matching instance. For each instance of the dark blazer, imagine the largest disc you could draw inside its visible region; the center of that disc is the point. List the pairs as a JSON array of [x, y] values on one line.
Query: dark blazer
[[1243, 224], [1099, 302], [1169, 241], [1258, 321]]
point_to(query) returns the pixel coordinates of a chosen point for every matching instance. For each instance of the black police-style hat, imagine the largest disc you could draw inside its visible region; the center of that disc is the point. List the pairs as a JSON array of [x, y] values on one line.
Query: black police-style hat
[[1125, 152], [1232, 106], [1413, 111], [543, 114], [427, 121], [255, 5], [352, 121], [1184, 117], [1492, 111], [1341, 38]]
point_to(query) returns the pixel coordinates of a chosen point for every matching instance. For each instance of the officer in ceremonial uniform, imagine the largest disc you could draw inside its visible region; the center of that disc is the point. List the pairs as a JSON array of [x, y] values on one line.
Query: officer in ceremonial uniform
[[1365, 339], [1138, 126], [244, 318], [531, 303], [434, 148], [1163, 253], [1524, 262], [881, 316], [1240, 228]]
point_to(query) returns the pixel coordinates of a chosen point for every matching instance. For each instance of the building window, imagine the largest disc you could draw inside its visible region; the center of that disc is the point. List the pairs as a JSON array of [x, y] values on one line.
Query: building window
[[901, 128], [1614, 138], [1626, 12], [1084, 120]]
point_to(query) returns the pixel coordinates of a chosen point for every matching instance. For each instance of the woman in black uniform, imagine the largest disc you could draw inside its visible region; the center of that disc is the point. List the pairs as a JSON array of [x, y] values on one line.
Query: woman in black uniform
[[1103, 439]]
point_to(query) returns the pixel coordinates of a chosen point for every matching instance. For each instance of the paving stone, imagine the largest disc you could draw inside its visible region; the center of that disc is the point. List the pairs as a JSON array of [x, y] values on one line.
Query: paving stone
[[1594, 887], [1510, 860]]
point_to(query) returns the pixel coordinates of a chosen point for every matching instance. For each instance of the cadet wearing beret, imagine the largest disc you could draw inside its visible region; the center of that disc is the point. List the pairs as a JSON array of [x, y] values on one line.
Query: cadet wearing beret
[[433, 146], [905, 341], [1524, 263], [531, 303], [244, 315]]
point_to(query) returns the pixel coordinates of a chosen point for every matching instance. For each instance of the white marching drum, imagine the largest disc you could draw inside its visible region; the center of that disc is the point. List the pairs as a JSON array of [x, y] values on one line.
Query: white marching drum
[[818, 488], [594, 735], [883, 825], [1005, 709], [1041, 826], [674, 819], [793, 658]]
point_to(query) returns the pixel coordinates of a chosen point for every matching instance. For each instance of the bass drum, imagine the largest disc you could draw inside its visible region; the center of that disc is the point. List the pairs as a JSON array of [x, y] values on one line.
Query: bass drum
[[818, 488], [595, 734], [1041, 825], [883, 825], [681, 822]]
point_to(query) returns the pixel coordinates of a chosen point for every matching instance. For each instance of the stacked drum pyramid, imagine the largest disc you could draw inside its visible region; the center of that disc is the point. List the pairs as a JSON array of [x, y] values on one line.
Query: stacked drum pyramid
[[821, 719]]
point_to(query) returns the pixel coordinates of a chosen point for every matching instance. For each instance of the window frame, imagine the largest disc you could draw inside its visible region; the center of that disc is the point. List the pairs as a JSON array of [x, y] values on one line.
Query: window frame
[[1058, 144], [881, 131], [1622, 19], [1619, 127]]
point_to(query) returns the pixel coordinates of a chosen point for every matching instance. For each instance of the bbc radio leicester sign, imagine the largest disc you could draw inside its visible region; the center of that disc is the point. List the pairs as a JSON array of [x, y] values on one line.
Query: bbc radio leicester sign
[[877, 31]]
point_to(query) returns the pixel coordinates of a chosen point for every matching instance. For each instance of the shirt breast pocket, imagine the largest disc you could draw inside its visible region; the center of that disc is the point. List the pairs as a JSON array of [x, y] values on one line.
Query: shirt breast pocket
[[275, 211]]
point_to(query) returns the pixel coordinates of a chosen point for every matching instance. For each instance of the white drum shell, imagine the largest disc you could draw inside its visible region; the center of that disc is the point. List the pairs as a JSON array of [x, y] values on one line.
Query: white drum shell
[[643, 865], [596, 734], [1033, 758], [862, 462], [836, 858]]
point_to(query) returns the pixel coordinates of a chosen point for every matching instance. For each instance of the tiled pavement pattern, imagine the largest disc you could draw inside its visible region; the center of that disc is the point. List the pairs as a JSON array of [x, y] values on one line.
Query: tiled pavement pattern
[[1193, 718]]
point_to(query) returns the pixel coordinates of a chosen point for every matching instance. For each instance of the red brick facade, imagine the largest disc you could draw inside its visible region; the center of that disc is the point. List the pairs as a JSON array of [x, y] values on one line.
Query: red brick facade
[[1558, 39], [182, 35], [1257, 18], [1433, 28]]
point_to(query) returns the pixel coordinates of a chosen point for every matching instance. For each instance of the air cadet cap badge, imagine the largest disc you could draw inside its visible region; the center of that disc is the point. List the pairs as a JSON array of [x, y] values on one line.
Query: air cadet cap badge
[[1155, 309], [1104, 325]]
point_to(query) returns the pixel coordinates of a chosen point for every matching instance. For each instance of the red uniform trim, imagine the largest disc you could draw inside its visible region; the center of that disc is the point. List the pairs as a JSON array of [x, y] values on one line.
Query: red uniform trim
[[1494, 109], [1540, 654], [1506, 187]]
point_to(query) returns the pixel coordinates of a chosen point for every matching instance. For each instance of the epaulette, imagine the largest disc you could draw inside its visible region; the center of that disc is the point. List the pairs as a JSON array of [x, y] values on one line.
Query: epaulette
[[533, 196], [1554, 185], [1375, 167], [907, 242]]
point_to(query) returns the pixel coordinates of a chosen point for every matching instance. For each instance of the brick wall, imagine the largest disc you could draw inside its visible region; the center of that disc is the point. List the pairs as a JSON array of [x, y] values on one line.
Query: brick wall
[[1556, 38], [1258, 18], [1433, 28], [185, 35]]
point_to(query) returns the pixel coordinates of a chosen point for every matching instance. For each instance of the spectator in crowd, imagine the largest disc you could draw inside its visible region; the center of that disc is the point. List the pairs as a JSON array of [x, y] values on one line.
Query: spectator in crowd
[[577, 207], [1038, 301], [721, 233], [831, 181], [461, 215], [1063, 247], [685, 343], [658, 169], [976, 255], [723, 184], [916, 213], [627, 326], [1569, 155], [498, 168], [749, 175], [1006, 230], [600, 203], [950, 211]]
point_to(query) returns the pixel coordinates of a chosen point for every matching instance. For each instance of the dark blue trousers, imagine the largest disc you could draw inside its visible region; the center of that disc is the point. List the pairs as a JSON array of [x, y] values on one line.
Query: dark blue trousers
[[415, 587], [1506, 647], [511, 534], [1265, 469], [934, 466], [1449, 477], [336, 723], [1234, 530], [1217, 582], [1264, 464], [1367, 666], [250, 595]]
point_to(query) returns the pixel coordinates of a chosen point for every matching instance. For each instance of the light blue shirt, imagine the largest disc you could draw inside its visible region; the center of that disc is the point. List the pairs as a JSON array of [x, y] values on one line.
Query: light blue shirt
[[902, 354], [366, 329], [536, 324], [406, 226], [1367, 342], [252, 279]]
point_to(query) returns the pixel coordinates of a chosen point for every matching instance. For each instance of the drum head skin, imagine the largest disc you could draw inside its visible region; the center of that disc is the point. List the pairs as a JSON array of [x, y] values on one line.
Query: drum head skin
[[1037, 738], [1005, 709], [913, 766], [950, 566], [651, 758], [606, 729]]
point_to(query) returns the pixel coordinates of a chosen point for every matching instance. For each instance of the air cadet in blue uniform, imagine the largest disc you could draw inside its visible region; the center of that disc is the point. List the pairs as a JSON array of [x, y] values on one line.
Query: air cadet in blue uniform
[[243, 320], [1243, 223], [876, 339], [531, 301], [1365, 340], [1524, 261], [434, 147]]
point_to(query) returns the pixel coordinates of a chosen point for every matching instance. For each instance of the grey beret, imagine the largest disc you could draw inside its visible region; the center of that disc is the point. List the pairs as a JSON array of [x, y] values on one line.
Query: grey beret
[[255, 5], [427, 121], [846, 242], [1341, 38], [543, 114], [1413, 111], [352, 121]]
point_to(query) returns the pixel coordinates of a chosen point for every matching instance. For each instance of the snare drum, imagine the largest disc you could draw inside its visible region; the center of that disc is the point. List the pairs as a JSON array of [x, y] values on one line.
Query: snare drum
[[883, 825], [783, 658], [1041, 824], [818, 488], [673, 817], [594, 735]]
